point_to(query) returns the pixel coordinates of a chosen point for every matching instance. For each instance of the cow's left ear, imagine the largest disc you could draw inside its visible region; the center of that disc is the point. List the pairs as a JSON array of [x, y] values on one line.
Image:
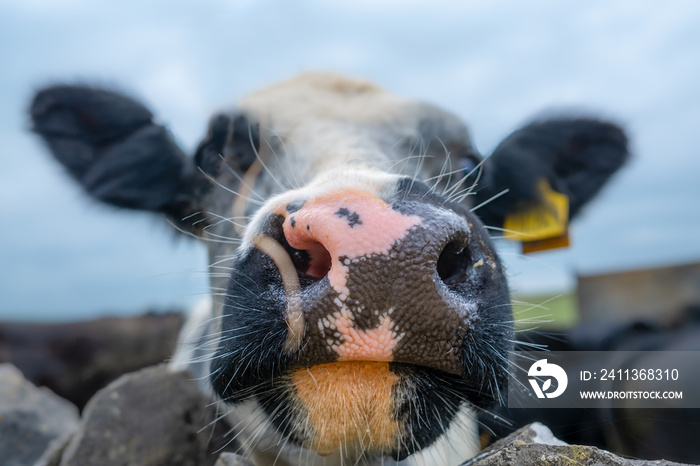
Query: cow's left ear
[[574, 157], [111, 146]]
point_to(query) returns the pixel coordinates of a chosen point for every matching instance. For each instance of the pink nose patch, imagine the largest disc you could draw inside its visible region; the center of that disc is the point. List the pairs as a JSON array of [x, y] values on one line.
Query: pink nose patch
[[345, 224], [375, 344], [336, 229]]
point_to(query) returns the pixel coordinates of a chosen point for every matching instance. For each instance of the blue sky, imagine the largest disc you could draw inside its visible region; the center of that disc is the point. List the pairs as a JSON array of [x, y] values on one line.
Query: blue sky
[[496, 64]]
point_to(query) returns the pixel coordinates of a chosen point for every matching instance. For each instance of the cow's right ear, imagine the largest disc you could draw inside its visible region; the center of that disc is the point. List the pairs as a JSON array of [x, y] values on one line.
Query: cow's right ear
[[110, 145], [574, 157]]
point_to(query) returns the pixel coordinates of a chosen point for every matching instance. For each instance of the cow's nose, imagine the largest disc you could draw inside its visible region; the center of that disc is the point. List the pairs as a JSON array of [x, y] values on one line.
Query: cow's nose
[[338, 228], [390, 280]]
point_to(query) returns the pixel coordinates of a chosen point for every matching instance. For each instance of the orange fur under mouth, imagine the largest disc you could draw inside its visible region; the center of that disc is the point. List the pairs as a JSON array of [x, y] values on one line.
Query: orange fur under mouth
[[348, 405]]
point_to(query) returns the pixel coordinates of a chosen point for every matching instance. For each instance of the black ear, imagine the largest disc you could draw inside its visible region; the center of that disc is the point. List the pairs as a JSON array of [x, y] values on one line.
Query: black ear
[[575, 156], [111, 146]]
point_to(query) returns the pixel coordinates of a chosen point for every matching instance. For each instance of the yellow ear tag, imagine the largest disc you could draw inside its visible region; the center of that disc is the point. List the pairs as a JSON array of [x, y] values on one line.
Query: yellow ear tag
[[543, 224]]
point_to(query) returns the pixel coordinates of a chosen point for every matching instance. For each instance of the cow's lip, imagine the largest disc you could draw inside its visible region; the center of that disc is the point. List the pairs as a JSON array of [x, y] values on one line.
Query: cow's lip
[[390, 399], [402, 366], [427, 370]]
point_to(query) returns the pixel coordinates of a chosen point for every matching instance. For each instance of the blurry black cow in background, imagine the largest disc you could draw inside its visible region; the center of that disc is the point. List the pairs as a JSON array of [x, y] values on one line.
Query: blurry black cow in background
[[652, 433]]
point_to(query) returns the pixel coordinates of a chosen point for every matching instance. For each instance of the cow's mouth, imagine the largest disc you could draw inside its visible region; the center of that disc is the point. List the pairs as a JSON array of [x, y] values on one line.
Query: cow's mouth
[[348, 405], [373, 407]]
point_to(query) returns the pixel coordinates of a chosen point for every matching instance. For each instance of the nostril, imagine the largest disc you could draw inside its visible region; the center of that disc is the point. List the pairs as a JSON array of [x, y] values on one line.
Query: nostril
[[453, 263], [300, 258], [310, 258], [315, 261], [319, 261]]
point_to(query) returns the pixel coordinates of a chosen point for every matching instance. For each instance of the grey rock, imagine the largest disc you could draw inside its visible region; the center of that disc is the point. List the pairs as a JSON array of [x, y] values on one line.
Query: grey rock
[[52, 455], [32, 420], [149, 417], [158, 417], [535, 444], [232, 459], [78, 358]]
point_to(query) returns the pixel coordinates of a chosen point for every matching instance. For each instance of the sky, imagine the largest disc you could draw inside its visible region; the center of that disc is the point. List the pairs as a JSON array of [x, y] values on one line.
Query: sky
[[496, 64]]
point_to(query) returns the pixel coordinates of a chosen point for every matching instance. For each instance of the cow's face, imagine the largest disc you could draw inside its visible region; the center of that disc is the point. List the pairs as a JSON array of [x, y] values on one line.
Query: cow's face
[[362, 313], [360, 310]]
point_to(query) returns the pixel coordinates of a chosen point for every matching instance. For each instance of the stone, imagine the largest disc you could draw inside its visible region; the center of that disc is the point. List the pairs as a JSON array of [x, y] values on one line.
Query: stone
[[33, 421], [149, 417], [535, 444], [76, 359]]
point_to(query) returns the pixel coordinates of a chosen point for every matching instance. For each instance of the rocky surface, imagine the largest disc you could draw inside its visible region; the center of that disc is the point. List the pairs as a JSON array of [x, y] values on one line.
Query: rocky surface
[[158, 417], [149, 417], [535, 444], [76, 359], [32, 420]]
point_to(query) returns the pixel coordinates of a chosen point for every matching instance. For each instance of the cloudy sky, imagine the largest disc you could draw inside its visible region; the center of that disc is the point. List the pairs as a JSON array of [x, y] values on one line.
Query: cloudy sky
[[496, 64]]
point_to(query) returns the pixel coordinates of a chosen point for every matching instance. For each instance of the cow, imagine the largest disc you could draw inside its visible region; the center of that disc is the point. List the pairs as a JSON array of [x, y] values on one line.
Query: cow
[[658, 431], [360, 313]]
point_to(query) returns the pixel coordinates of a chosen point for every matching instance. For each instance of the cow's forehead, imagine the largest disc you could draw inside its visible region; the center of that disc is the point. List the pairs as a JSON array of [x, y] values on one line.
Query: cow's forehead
[[327, 112], [324, 96]]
